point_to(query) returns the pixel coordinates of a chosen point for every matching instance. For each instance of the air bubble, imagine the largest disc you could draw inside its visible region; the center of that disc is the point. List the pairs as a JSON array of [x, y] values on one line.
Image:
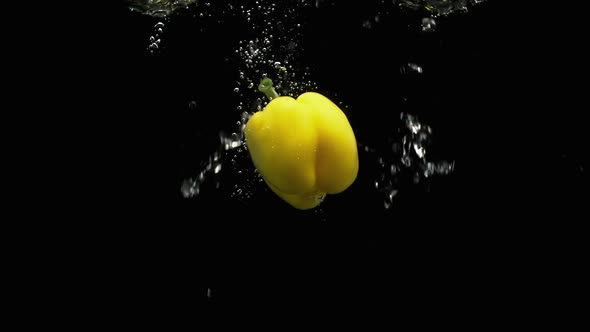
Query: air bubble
[[411, 69], [428, 24]]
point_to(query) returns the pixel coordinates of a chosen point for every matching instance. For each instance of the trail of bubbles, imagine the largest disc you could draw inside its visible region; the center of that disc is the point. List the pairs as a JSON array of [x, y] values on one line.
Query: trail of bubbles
[[272, 54]]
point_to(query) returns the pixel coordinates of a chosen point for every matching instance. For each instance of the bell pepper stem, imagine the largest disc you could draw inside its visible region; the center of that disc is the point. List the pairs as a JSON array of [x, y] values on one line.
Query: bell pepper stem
[[266, 87]]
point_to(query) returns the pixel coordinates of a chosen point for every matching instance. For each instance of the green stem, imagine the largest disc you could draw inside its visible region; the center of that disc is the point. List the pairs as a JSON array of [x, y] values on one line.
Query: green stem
[[267, 88]]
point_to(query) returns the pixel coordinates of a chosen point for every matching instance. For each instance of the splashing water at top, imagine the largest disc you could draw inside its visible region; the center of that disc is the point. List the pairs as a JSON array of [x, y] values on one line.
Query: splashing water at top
[[438, 7], [158, 8]]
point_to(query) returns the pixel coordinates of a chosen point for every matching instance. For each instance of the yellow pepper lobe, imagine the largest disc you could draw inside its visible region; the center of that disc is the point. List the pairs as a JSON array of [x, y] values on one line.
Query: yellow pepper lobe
[[303, 148]]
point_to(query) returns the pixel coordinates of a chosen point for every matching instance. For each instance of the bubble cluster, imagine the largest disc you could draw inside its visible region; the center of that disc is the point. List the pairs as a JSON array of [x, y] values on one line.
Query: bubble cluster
[[156, 38], [274, 52]]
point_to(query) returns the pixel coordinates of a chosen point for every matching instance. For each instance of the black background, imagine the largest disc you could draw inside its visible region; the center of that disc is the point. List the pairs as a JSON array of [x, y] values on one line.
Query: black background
[[500, 238]]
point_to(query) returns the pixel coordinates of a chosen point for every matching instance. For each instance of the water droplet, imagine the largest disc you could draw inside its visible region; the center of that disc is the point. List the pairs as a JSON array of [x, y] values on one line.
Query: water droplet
[[320, 198], [406, 160], [189, 188], [416, 177]]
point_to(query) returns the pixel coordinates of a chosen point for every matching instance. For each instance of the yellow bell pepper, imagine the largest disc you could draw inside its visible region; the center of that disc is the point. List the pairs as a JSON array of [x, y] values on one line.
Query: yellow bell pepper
[[304, 148]]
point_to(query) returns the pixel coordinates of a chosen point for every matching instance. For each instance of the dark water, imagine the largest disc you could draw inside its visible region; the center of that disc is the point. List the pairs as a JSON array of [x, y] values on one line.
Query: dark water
[[476, 243]]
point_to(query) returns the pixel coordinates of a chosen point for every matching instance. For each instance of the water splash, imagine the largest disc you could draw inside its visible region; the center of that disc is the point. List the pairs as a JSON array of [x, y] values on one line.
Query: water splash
[[212, 167], [408, 160]]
